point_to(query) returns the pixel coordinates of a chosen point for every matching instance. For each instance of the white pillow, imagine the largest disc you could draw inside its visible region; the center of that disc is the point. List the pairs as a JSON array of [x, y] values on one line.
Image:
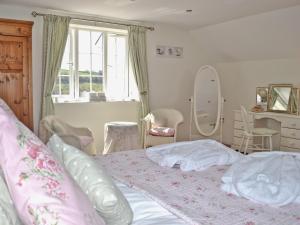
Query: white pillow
[[101, 190], [8, 214]]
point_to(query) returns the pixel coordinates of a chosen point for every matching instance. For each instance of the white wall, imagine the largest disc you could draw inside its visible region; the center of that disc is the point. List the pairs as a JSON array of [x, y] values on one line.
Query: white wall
[[95, 114], [251, 52], [240, 79], [171, 79], [272, 35]]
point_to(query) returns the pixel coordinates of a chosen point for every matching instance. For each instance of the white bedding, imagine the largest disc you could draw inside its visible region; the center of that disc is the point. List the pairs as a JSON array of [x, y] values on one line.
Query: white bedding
[[193, 155], [147, 211], [271, 178]]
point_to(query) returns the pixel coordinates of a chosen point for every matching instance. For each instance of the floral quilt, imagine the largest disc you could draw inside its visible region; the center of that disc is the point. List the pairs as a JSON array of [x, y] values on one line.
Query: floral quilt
[[196, 197]]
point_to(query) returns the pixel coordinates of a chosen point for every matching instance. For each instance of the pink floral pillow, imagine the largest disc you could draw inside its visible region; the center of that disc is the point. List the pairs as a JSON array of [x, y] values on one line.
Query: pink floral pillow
[[162, 131], [41, 189], [6, 108]]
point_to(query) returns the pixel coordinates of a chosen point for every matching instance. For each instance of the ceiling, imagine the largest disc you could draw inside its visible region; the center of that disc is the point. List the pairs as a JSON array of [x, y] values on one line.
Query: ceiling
[[205, 12]]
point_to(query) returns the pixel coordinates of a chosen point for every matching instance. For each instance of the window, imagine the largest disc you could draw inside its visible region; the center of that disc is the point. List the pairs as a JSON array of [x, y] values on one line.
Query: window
[[95, 60]]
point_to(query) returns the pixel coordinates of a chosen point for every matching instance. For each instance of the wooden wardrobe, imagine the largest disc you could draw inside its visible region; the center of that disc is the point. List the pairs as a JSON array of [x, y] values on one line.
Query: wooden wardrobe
[[15, 67]]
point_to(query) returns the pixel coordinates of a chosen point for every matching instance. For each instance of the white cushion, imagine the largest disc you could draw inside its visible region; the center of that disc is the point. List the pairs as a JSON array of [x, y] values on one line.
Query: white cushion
[[101, 190]]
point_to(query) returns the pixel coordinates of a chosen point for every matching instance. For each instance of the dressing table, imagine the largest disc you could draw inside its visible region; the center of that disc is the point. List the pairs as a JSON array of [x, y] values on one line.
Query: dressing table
[[288, 126], [283, 115]]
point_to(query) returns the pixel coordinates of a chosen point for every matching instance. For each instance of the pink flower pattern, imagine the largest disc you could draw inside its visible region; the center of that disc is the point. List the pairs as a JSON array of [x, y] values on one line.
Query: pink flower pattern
[[41, 165], [196, 197], [42, 215]]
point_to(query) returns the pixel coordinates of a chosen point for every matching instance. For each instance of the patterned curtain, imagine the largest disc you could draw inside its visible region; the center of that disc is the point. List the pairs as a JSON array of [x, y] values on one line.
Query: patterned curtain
[[55, 36], [138, 59]]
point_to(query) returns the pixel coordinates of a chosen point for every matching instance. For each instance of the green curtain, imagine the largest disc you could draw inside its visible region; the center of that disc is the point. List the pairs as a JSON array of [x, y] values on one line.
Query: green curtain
[[55, 36], [138, 59]]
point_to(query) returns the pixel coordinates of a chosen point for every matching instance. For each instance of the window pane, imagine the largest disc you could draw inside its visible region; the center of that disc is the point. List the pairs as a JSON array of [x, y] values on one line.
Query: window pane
[[97, 53], [84, 40], [64, 72], [97, 64], [56, 87], [84, 64], [65, 85], [84, 48], [65, 64], [97, 84], [117, 82], [84, 85], [97, 42]]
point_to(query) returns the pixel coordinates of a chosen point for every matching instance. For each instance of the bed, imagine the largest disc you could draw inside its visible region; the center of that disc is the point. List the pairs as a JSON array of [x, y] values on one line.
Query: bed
[[169, 196], [194, 197]]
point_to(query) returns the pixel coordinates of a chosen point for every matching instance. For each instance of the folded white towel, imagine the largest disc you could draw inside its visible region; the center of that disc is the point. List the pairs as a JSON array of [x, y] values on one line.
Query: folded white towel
[[271, 178], [193, 155]]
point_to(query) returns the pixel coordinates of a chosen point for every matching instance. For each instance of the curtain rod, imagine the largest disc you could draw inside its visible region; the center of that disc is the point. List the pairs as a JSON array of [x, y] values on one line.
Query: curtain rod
[[35, 14]]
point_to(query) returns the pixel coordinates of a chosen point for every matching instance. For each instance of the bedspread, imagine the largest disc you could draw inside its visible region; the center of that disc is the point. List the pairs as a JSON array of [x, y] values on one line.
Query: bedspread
[[196, 197]]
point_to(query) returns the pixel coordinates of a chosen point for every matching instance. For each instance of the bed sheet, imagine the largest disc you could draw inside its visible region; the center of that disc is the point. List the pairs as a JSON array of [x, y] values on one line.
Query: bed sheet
[[146, 211]]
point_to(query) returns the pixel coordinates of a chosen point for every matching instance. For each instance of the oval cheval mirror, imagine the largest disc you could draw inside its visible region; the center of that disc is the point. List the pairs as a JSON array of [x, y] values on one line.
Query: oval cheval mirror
[[207, 101]]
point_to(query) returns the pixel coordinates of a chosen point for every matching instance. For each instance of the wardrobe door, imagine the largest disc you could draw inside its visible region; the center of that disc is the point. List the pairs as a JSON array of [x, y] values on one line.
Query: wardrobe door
[[15, 77]]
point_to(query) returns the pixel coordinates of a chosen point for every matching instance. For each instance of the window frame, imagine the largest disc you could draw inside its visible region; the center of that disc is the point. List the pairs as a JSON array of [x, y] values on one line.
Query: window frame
[[74, 93]]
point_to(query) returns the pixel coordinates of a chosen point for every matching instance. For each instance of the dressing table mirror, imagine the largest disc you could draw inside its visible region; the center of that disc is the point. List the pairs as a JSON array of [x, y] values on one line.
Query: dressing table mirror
[[279, 98], [262, 95]]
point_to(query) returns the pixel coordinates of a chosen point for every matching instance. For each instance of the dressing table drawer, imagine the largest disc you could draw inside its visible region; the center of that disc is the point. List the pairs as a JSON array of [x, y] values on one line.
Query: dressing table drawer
[[291, 123], [291, 133], [287, 149], [290, 143]]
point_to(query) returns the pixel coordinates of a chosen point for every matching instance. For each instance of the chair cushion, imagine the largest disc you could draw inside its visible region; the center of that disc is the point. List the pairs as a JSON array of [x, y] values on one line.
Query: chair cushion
[[264, 131], [42, 190], [162, 131], [101, 190], [85, 140]]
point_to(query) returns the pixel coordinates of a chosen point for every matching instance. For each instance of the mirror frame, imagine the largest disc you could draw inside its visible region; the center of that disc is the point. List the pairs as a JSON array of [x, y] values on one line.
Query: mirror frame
[[219, 101], [262, 103], [270, 97]]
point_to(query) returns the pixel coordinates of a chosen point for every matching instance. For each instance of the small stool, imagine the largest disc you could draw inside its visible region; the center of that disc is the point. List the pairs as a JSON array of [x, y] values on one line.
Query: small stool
[[121, 136]]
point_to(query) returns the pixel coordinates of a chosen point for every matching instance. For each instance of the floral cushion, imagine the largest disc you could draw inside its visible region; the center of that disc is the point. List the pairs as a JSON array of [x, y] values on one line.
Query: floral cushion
[[6, 108], [101, 190], [162, 131], [43, 192]]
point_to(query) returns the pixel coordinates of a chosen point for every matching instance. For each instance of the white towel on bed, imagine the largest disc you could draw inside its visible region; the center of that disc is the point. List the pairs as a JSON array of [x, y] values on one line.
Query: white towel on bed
[[271, 178], [193, 155]]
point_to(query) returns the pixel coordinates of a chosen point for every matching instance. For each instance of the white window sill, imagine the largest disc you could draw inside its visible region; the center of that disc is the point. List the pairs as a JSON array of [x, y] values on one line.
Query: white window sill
[[94, 102]]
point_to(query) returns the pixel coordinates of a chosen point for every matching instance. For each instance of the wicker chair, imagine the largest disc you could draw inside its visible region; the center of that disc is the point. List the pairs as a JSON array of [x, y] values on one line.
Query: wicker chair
[[81, 138], [167, 118]]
